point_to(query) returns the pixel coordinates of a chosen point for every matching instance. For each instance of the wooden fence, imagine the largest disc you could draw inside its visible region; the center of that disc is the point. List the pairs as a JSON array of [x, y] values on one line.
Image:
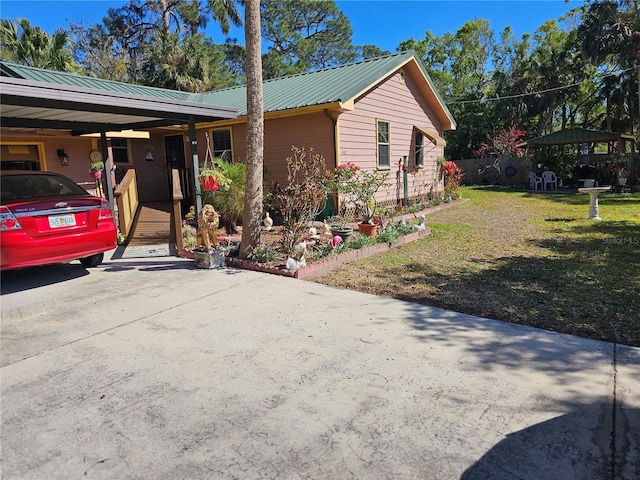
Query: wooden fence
[[489, 171]]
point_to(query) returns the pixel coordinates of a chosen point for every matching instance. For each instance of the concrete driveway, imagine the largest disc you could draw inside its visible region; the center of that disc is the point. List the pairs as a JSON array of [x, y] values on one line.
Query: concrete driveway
[[147, 368]]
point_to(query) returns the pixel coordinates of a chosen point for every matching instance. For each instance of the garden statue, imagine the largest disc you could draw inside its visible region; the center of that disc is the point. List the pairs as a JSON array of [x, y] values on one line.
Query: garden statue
[[208, 223], [420, 226], [297, 260], [267, 222]]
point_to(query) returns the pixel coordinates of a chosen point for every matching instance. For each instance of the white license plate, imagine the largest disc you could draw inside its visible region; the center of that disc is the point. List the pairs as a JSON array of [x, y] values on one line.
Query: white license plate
[[56, 221]]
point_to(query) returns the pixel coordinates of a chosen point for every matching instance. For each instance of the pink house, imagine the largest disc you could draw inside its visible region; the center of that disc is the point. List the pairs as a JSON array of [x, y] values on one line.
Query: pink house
[[380, 113]]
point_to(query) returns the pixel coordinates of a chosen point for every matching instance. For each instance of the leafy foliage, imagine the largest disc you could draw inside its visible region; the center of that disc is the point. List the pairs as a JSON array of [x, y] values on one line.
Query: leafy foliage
[[30, 45], [228, 200], [304, 35], [357, 188]]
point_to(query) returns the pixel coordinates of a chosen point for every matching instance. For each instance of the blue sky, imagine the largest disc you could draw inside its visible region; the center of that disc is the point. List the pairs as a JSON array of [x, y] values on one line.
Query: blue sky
[[384, 23]]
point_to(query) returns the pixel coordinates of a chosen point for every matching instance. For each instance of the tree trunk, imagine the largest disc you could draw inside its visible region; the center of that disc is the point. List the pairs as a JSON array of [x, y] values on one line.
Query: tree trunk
[[252, 215]]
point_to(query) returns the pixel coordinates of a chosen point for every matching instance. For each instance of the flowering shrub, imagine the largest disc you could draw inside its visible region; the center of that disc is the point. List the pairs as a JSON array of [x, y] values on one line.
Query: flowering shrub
[[190, 216], [453, 175], [358, 188]]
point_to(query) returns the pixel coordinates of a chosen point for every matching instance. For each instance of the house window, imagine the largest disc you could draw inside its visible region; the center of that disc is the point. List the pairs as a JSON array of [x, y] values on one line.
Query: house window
[[384, 147], [418, 149], [222, 145], [120, 151], [20, 157]]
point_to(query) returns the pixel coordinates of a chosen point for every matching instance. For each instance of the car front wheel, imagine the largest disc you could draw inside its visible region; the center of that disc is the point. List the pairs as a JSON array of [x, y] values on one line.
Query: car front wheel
[[92, 261]]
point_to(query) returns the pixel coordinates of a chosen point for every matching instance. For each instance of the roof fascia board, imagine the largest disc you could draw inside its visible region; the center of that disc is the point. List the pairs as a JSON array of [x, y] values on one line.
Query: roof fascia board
[[339, 107]]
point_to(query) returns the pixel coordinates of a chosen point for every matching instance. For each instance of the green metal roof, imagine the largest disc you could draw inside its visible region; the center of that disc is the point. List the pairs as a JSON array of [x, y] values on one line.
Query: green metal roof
[[576, 135], [334, 85], [338, 84], [25, 72]]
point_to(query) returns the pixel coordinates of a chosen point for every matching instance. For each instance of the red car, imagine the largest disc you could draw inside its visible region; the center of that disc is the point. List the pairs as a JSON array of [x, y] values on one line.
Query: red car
[[46, 218]]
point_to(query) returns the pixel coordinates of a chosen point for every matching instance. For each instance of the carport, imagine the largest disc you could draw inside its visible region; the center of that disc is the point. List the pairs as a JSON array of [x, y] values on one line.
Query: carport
[[33, 98]]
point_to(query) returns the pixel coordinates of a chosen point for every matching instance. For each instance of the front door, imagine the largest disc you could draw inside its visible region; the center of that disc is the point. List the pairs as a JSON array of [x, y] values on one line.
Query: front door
[[176, 160]]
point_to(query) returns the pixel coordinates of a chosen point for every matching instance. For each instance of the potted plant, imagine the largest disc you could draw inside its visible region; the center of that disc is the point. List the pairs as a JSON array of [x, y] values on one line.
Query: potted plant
[[96, 168], [212, 179], [358, 190], [228, 196]]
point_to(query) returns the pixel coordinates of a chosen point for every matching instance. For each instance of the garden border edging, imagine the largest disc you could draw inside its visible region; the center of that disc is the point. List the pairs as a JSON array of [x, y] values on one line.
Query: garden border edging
[[332, 261]]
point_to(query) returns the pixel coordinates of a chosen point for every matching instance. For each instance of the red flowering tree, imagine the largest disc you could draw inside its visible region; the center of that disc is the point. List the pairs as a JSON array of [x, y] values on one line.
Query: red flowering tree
[[503, 145]]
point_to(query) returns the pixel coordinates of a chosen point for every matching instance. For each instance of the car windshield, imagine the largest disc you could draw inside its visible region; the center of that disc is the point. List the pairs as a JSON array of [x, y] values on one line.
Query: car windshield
[[25, 186]]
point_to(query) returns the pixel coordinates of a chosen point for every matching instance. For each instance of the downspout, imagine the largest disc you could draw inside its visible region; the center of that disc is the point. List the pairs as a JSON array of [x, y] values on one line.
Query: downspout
[[405, 180], [334, 120]]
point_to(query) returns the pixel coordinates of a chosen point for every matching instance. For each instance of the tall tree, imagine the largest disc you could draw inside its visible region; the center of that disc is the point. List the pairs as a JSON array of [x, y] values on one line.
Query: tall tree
[[304, 35], [30, 45], [459, 65], [159, 43], [253, 201], [610, 35]]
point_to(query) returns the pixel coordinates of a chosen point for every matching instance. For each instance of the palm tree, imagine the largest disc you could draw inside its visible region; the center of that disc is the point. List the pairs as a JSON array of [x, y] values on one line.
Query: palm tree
[[23, 43], [255, 131]]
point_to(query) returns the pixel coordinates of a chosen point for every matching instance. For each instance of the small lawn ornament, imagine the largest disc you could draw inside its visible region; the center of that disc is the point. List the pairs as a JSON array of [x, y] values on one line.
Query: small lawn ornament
[[267, 221], [297, 260], [420, 226], [335, 241], [325, 229]]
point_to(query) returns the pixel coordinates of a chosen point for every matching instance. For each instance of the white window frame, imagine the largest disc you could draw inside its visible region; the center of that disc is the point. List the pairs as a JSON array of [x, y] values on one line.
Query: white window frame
[[383, 143]]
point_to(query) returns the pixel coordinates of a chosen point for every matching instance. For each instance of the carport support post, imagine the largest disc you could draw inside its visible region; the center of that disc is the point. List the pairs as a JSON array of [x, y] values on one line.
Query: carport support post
[[193, 142], [107, 173]]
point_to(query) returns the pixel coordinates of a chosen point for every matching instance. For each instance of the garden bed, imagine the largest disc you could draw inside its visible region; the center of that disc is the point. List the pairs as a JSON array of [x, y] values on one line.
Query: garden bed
[[317, 265]]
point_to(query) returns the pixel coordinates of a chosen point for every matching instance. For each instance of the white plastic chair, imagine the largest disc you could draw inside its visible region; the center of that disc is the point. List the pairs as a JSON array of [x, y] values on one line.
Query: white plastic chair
[[535, 181], [549, 178]]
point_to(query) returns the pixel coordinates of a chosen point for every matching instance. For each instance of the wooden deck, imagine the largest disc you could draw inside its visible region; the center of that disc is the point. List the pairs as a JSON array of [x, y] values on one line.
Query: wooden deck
[[152, 225]]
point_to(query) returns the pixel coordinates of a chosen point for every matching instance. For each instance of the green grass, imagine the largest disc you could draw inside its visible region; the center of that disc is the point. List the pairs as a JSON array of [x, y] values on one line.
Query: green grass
[[528, 258]]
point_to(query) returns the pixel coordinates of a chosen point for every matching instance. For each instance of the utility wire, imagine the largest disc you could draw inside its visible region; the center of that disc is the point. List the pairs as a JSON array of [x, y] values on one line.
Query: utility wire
[[485, 100]]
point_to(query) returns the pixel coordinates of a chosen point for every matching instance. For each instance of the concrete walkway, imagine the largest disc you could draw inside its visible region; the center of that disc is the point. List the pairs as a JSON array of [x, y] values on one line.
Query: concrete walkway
[[147, 368]]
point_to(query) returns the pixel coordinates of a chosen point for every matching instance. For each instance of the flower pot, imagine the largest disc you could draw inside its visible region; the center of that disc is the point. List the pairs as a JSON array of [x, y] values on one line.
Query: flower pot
[[343, 232], [368, 229], [96, 173], [209, 183]]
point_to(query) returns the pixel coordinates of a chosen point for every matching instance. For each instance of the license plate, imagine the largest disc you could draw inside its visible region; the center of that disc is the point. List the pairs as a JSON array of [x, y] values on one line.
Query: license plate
[[56, 221]]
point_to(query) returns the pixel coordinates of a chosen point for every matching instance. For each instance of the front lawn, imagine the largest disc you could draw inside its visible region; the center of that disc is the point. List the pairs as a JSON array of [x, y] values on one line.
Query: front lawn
[[521, 257]]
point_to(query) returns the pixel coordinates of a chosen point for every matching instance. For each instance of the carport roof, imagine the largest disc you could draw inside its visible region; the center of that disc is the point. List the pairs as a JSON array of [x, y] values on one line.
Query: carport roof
[[576, 135], [36, 98]]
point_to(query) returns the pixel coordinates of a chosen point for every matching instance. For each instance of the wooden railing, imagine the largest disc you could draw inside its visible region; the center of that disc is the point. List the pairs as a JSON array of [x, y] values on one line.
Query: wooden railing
[[176, 215], [126, 197]]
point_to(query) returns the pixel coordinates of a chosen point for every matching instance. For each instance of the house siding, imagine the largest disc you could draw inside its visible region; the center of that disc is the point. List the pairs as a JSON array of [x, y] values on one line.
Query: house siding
[[313, 130], [401, 104]]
